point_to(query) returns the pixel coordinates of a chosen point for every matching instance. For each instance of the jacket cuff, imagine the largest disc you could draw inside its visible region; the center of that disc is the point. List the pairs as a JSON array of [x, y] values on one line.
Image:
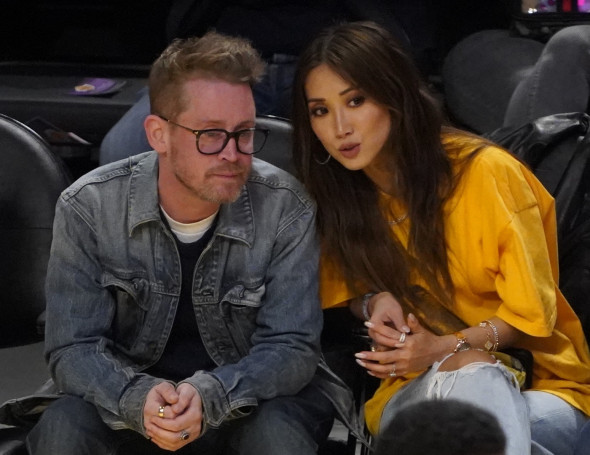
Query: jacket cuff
[[217, 407], [133, 399]]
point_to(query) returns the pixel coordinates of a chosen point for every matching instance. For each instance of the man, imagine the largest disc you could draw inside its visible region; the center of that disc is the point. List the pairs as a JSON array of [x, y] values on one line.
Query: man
[[182, 302]]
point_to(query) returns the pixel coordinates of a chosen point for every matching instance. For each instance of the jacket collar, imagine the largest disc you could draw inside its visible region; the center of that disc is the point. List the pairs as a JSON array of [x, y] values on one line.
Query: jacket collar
[[236, 220]]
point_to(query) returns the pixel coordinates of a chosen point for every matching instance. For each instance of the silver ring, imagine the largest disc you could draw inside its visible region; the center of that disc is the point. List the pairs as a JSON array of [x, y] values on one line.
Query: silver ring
[[392, 373], [184, 435], [161, 412], [402, 337]]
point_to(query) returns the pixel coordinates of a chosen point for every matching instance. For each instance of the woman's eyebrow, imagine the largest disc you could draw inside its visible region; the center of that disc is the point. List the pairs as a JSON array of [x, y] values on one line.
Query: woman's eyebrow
[[343, 92]]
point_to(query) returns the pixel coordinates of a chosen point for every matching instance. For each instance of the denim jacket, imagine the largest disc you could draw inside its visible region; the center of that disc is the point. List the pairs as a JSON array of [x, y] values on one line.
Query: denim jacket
[[114, 280]]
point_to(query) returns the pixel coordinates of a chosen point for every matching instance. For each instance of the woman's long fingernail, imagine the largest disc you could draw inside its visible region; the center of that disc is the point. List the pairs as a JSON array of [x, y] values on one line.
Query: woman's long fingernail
[[361, 363], [369, 324]]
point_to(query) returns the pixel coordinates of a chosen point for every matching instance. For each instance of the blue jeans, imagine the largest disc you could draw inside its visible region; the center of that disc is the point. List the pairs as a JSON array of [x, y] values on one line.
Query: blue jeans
[[290, 425], [530, 420], [554, 424], [272, 94]]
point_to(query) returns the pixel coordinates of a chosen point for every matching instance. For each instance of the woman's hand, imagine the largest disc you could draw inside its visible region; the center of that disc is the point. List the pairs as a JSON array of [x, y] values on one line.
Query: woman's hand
[[387, 314], [401, 352]]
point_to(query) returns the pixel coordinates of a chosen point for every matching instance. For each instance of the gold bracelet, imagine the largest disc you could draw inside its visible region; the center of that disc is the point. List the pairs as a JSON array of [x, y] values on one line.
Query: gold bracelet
[[489, 346], [462, 343]]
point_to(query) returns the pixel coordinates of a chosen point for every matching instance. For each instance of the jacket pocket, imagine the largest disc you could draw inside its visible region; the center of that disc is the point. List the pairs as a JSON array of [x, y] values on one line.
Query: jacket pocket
[[131, 307], [240, 306]]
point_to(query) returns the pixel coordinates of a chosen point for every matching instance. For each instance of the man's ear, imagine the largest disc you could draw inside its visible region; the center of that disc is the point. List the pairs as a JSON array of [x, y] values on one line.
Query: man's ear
[[156, 132]]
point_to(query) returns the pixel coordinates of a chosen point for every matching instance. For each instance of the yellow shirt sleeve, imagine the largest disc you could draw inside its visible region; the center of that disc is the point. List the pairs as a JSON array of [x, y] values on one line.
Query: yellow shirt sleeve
[[501, 233], [334, 291]]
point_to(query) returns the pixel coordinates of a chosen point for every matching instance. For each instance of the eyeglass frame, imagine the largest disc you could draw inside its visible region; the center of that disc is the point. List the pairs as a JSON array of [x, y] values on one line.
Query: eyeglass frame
[[228, 135]]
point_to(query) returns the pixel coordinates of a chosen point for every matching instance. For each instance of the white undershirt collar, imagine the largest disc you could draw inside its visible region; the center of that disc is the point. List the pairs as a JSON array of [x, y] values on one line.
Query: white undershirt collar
[[189, 232]]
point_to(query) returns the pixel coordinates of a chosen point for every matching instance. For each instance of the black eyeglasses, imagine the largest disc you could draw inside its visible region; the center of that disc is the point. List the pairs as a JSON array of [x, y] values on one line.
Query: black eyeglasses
[[212, 141]]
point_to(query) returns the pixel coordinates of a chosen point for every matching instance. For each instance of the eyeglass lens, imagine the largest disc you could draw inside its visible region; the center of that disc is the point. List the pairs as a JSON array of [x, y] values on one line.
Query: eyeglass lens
[[248, 141]]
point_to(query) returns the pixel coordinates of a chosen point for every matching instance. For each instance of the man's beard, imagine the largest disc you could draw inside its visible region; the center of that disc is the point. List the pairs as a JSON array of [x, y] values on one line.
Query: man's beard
[[217, 194]]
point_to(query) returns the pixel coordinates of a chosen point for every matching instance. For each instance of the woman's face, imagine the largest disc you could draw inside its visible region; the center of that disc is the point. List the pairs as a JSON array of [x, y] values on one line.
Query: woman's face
[[351, 126]]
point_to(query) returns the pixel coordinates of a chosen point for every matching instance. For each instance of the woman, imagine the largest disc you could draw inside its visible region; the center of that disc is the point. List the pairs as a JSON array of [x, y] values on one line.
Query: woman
[[443, 242]]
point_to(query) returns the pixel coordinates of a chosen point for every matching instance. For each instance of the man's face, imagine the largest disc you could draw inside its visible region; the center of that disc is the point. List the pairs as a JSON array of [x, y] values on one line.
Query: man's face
[[217, 178]]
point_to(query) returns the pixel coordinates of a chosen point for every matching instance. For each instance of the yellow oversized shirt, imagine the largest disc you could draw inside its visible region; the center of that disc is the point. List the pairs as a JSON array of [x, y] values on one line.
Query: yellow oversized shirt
[[502, 250]]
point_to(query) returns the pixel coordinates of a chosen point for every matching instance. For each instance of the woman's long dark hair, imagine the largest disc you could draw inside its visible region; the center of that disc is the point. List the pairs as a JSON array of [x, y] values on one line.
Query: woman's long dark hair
[[355, 234]]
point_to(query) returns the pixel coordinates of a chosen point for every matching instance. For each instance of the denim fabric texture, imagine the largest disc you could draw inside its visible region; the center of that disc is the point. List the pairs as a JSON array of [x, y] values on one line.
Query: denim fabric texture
[[272, 94], [115, 272], [555, 425], [293, 425], [534, 422]]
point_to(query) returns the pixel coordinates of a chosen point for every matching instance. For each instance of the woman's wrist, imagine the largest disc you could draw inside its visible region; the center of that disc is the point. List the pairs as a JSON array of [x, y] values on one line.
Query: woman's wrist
[[484, 337], [365, 302]]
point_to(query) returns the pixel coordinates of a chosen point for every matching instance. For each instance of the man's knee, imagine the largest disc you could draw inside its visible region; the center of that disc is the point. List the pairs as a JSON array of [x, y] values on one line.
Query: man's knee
[[67, 426], [297, 423], [308, 407], [69, 412]]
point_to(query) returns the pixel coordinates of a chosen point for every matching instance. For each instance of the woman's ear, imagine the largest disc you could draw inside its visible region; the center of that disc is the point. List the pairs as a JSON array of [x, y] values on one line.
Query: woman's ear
[[155, 130]]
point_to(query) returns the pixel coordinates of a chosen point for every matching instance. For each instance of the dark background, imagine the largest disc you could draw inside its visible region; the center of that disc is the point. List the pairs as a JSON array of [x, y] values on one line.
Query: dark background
[[134, 31]]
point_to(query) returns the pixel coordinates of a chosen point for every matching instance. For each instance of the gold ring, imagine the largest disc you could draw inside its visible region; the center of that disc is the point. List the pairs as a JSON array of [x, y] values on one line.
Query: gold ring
[[392, 373], [184, 435], [161, 412], [402, 337]]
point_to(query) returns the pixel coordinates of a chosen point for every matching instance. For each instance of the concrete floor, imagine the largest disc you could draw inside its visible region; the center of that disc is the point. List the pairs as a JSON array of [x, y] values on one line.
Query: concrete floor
[[23, 370]]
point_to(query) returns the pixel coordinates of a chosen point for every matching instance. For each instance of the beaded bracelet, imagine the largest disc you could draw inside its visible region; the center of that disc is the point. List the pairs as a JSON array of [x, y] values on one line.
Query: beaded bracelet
[[489, 346], [366, 299]]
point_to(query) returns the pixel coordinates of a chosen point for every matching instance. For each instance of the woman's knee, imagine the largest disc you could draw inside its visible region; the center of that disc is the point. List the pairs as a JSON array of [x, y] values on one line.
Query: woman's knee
[[464, 358]]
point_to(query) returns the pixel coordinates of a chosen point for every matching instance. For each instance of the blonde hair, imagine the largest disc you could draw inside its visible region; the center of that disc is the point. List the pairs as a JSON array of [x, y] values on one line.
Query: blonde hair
[[213, 55]]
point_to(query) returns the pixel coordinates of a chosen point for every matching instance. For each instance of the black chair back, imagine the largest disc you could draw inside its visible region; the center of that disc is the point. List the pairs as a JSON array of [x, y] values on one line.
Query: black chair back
[[31, 179], [278, 147]]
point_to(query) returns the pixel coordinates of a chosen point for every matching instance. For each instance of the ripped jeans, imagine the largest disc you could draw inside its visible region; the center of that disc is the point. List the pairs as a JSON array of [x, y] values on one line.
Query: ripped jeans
[[533, 422]]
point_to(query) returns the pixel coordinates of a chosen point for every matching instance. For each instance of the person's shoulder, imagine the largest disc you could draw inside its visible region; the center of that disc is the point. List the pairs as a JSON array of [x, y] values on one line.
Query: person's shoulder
[[494, 173], [499, 165], [479, 154], [493, 157], [267, 177], [112, 171]]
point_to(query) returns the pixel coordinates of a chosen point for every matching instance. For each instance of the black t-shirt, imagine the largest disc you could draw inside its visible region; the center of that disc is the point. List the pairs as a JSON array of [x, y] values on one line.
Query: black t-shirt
[[185, 353]]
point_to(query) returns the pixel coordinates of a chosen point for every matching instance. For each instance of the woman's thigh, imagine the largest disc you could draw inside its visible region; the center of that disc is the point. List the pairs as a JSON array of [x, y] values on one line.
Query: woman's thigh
[[554, 422], [489, 386]]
